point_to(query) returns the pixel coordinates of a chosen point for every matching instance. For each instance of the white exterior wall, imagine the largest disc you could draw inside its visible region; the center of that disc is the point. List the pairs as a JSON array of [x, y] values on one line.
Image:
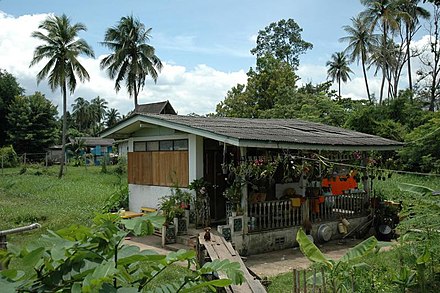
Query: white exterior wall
[[145, 196], [148, 196], [123, 149]]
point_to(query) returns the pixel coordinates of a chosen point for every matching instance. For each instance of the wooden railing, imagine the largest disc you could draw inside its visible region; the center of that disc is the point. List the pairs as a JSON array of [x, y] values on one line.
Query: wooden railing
[[279, 214], [334, 207], [273, 215]]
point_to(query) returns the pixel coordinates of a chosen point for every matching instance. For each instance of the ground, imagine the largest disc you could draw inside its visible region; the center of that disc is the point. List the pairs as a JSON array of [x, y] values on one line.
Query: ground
[[265, 264]]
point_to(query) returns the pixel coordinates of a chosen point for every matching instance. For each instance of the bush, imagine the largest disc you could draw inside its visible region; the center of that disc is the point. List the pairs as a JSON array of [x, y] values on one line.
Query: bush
[[10, 158]]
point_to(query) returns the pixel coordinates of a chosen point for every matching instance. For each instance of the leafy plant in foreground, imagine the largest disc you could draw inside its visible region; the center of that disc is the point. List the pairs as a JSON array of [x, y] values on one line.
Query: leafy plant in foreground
[[338, 273], [95, 259]]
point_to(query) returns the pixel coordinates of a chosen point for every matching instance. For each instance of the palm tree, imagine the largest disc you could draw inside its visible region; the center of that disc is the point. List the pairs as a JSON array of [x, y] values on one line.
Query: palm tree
[[61, 48], [360, 42], [81, 112], [132, 58], [339, 69], [112, 116], [382, 14], [98, 109], [411, 20]]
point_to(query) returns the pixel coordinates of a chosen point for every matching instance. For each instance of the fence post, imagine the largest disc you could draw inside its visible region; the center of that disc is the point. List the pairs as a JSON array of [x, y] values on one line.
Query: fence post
[[46, 159], [294, 281], [2, 163], [24, 160], [305, 280]]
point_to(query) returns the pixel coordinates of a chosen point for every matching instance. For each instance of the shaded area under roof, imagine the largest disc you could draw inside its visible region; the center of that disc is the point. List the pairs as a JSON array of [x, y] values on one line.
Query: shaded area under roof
[[285, 133]]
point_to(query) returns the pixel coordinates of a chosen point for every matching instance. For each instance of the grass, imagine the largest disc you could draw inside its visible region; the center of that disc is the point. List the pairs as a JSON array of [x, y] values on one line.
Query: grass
[[39, 196], [420, 212]]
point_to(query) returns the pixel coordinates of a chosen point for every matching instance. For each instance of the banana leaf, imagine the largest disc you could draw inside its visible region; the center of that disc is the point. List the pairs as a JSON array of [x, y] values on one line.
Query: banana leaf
[[360, 250], [309, 249], [417, 189]]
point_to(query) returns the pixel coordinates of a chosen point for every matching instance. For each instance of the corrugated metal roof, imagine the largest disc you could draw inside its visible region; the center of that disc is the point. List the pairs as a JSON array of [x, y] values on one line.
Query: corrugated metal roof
[[279, 131]]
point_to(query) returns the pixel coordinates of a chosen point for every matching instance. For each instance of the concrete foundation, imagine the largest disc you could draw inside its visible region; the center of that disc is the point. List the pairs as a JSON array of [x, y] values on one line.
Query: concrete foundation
[[261, 242]]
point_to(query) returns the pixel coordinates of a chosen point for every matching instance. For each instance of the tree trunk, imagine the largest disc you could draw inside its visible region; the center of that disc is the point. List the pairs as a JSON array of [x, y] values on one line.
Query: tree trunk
[[135, 97], [339, 86], [408, 53], [382, 86], [365, 78], [63, 134]]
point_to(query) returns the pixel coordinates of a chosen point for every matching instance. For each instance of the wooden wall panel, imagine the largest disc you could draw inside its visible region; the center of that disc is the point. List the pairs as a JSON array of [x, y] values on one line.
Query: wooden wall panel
[[158, 168]]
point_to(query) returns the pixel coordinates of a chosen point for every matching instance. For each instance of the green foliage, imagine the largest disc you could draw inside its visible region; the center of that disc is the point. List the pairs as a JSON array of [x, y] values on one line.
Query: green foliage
[[8, 156], [283, 41], [119, 199], [173, 205], [9, 89], [422, 152], [32, 124], [272, 82], [93, 259], [338, 273]]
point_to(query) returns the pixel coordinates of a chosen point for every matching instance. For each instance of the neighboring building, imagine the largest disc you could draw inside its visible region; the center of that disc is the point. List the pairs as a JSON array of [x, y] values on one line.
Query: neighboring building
[[97, 147], [168, 149]]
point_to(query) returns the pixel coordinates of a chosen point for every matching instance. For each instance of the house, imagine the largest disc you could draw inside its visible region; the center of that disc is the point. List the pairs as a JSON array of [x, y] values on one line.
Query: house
[[167, 149], [97, 147]]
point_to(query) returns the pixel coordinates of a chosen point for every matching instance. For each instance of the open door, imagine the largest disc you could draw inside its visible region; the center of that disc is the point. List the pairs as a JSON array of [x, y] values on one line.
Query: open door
[[213, 174]]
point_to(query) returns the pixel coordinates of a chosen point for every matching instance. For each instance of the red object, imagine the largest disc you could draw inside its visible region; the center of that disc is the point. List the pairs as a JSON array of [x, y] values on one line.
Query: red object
[[337, 186]]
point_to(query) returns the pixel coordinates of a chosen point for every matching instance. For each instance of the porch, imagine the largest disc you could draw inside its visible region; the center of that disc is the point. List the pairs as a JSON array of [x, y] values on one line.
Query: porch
[[280, 214]]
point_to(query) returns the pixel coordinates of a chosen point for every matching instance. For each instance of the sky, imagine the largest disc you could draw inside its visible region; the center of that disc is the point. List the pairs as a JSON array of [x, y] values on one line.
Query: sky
[[204, 45]]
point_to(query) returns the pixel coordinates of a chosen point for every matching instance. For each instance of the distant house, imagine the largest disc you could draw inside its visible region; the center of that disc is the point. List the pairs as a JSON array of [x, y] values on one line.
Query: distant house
[[156, 108], [97, 147], [163, 107]]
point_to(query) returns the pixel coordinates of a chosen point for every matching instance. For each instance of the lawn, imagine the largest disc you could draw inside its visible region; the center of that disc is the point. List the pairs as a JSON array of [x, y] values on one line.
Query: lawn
[[39, 196]]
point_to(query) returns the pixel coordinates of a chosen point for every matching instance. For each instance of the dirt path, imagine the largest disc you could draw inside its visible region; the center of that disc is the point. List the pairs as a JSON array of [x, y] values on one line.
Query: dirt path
[[283, 261]]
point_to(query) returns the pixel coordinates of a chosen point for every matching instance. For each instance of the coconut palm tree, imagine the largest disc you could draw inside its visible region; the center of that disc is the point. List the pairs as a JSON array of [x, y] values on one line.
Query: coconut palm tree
[[81, 113], [61, 47], [132, 59], [360, 42], [112, 116], [413, 13], [98, 108], [338, 69], [383, 15]]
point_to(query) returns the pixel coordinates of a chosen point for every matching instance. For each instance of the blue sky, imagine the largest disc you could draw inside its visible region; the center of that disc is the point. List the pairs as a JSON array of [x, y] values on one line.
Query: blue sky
[[205, 44]]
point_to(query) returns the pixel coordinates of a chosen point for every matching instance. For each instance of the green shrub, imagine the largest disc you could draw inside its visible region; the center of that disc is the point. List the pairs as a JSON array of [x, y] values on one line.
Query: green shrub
[[9, 157]]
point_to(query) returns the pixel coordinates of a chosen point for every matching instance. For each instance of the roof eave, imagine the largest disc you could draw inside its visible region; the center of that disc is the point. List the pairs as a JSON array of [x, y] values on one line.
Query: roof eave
[[327, 147]]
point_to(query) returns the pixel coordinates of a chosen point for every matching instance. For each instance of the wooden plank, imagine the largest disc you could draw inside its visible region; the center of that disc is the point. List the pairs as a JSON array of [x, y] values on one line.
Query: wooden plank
[[219, 248]]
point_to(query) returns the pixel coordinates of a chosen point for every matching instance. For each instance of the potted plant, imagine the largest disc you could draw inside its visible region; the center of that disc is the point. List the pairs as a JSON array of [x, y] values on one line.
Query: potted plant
[[201, 202], [173, 208], [233, 194]]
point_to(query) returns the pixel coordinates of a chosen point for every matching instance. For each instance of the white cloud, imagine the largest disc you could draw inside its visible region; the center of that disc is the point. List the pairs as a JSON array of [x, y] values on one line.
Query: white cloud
[[195, 90]]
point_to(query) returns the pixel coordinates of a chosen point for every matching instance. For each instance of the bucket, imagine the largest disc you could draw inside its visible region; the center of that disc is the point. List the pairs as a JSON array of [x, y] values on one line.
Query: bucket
[[342, 228]]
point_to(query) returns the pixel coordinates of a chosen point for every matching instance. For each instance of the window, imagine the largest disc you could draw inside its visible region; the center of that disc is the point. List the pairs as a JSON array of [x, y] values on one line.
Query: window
[[152, 145], [166, 145], [161, 145], [181, 145], [140, 146]]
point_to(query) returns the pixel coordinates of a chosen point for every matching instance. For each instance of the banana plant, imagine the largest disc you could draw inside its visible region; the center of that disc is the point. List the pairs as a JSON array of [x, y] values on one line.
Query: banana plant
[[338, 273]]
